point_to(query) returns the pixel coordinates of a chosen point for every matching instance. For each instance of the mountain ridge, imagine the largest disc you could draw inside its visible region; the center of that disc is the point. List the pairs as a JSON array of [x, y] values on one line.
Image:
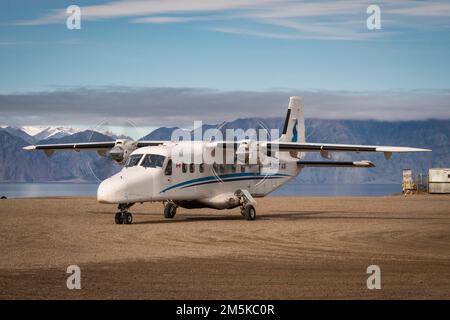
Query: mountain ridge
[[17, 165]]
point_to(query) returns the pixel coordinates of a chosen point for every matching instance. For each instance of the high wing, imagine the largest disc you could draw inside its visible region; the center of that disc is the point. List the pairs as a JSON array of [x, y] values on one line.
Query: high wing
[[73, 146], [118, 150], [317, 147], [88, 145], [325, 148]]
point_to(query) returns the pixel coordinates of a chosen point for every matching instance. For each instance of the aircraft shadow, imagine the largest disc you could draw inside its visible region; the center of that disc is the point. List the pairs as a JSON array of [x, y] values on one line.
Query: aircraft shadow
[[282, 215]]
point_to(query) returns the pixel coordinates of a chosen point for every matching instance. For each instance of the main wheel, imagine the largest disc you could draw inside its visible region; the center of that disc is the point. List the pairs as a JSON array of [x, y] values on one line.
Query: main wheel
[[170, 210], [249, 212], [127, 218], [118, 218]]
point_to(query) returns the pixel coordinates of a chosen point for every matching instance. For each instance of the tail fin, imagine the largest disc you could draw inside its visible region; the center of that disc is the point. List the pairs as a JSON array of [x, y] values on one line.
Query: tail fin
[[294, 125]]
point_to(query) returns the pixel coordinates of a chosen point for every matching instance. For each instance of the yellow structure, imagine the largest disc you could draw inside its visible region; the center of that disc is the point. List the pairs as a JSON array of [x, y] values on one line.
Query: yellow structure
[[408, 185]]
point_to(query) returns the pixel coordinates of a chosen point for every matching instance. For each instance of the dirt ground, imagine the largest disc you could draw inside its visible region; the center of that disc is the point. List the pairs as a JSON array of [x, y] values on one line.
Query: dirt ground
[[298, 248]]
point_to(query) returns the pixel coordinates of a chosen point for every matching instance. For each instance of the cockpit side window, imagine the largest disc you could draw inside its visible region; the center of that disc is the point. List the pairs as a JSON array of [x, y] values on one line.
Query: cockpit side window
[[153, 161], [133, 160]]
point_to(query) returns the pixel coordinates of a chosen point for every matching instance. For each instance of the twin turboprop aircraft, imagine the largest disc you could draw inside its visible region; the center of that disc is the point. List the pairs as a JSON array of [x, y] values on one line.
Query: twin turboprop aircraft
[[154, 170]]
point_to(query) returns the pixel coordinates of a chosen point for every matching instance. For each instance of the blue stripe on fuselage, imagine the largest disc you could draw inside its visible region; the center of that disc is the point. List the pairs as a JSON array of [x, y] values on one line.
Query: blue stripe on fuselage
[[224, 178]]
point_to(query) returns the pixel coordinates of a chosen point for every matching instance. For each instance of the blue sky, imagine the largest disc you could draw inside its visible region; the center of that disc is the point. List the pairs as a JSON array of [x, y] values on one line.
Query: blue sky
[[220, 49], [228, 46]]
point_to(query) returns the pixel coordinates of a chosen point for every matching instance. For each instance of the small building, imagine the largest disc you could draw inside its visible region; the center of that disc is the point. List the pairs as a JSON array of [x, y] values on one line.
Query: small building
[[439, 180]]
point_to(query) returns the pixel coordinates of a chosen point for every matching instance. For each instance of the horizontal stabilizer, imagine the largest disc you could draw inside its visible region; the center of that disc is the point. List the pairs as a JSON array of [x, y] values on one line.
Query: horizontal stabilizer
[[350, 164]]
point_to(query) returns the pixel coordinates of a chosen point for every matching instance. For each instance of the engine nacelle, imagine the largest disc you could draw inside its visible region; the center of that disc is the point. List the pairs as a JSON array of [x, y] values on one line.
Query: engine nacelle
[[122, 150]]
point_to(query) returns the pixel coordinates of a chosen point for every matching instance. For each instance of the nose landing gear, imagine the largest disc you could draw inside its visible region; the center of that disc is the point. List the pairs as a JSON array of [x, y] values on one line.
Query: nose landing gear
[[123, 216], [170, 210]]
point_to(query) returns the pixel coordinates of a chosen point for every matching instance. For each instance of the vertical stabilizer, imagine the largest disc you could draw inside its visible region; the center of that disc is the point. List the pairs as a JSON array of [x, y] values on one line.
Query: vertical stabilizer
[[294, 125]]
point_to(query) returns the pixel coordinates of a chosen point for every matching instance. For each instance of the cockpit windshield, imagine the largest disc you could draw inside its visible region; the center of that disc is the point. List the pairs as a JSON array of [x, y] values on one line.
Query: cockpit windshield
[[153, 161], [133, 160]]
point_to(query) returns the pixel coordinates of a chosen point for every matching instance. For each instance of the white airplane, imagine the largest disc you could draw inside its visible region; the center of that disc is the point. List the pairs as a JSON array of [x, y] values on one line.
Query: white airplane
[[152, 173]]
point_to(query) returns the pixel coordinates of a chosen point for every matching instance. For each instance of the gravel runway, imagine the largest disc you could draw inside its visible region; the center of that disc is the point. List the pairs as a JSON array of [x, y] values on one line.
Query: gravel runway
[[298, 248]]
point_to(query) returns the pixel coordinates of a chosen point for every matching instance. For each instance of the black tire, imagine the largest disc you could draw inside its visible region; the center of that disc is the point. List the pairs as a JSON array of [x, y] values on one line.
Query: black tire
[[127, 218], [170, 210], [249, 212], [118, 218]]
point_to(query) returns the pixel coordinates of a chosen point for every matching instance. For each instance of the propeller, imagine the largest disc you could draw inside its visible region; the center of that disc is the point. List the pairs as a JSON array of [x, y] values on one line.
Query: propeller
[[122, 150]]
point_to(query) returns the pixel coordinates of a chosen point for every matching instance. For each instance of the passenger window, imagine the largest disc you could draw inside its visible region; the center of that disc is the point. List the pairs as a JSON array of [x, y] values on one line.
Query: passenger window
[[184, 167], [233, 168], [153, 161], [191, 168], [133, 160], [201, 167], [242, 169], [168, 171], [221, 168]]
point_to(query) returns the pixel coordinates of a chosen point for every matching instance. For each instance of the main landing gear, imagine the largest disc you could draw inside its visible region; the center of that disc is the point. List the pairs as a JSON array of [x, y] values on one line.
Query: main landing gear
[[123, 216], [247, 204], [249, 212], [170, 210]]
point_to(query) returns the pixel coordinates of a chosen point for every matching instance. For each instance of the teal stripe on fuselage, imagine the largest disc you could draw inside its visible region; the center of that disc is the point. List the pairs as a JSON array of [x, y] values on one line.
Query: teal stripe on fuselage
[[224, 177]]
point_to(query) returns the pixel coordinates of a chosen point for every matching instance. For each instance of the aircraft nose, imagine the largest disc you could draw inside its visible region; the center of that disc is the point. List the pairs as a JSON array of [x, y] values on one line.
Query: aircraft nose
[[107, 192]]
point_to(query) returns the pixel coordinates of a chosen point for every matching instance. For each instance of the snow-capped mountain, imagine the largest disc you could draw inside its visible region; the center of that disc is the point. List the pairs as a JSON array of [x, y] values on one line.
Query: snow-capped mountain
[[32, 130], [34, 134], [43, 132]]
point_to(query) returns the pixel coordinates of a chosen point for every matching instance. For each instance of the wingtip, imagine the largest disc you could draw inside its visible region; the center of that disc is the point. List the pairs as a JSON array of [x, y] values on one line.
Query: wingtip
[[370, 164], [401, 149], [32, 147], [364, 163], [421, 150]]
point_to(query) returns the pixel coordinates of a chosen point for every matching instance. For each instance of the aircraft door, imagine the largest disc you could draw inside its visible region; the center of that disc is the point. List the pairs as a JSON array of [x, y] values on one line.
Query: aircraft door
[[168, 171]]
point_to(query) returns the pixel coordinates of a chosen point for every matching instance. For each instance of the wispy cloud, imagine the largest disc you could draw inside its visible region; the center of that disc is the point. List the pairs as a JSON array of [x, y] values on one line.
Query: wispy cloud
[[421, 9], [172, 19], [307, 19], [15, 43], [24, 43], [120, 9]]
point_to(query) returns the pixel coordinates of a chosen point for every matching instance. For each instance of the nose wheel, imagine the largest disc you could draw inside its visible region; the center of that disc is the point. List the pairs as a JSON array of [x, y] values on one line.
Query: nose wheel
[[170, 210], [123, 216]]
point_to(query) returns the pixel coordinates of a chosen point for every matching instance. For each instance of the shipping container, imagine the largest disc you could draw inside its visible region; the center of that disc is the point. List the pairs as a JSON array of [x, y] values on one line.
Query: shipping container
[[439, 180]]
